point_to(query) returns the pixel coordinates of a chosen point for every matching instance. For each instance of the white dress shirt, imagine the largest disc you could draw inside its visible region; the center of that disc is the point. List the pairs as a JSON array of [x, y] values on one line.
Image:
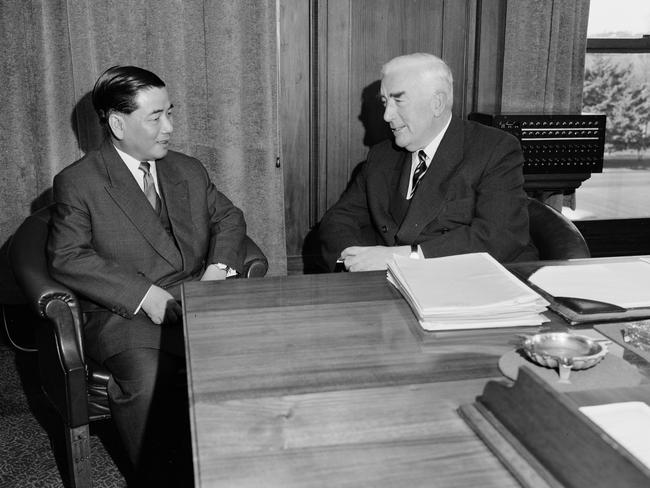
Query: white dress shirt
[[134, 167], [430, 150]]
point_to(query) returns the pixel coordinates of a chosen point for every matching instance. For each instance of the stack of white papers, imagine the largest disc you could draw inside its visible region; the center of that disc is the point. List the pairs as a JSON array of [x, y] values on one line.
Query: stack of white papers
[[466, 291]]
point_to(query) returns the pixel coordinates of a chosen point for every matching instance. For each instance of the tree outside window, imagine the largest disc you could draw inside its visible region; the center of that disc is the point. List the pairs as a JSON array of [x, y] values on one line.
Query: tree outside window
[[617, 84], [611, 87]]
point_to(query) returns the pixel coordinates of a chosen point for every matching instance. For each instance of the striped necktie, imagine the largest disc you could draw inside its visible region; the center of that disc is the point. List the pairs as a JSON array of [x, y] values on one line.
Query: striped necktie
[[149, 186], [419, 171]]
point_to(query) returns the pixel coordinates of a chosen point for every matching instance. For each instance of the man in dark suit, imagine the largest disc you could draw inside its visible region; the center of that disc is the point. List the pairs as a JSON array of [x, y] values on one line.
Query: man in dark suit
[[444, 186], [132, 221]]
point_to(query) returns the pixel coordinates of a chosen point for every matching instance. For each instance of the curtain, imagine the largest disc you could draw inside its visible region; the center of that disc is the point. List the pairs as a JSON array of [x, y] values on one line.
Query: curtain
[[544, 55], [217, 58], [544, 64]]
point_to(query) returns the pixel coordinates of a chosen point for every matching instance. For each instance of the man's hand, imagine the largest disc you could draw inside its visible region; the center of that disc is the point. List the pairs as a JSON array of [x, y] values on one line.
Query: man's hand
[[370, 258], [160, 306], [213, 273]]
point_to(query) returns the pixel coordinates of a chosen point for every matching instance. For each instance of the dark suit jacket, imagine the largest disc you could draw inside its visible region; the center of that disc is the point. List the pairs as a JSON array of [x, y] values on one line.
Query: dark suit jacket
[[471, 199], [108, 244]]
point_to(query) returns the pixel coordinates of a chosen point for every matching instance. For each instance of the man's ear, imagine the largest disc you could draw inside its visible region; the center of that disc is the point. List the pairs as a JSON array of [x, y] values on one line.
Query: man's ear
[[116, 124], [438, 103]]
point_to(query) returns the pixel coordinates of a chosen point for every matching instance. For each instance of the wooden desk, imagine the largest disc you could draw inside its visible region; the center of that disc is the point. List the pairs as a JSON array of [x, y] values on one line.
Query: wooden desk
[[327, 381]]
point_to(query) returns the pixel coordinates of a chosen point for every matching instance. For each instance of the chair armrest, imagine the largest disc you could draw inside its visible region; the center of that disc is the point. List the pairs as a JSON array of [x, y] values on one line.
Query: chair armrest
[[28, 258], [61, 360], [62, 368], [255, 263]]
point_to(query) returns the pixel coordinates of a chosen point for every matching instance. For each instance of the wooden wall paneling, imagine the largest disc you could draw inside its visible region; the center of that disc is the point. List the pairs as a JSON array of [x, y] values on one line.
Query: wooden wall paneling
[[491, 25], [294, 115], [321, 99], [470, 68], [381, 30], [458, 47], [422, 26], [374, 27], [337, 105]]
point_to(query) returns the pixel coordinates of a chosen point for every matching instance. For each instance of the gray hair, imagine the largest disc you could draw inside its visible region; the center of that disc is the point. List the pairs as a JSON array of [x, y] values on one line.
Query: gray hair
[[433, 70]]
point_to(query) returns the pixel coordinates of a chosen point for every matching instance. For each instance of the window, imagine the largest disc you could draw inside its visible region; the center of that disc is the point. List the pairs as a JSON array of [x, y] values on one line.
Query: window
[[617, 83]]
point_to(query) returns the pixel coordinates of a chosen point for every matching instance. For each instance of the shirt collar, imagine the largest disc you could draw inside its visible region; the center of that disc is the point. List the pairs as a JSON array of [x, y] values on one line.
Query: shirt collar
[[431, 148], [131, 162], [134, 167]]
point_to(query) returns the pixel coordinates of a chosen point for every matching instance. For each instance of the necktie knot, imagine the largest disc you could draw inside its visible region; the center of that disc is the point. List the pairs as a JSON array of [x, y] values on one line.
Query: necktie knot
[[146, 167]]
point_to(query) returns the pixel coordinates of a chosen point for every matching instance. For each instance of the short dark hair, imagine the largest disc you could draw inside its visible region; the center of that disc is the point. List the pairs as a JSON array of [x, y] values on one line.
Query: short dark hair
[[117, 87]]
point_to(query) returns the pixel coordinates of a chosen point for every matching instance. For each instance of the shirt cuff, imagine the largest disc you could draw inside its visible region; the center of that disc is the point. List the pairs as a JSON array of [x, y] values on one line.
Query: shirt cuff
[[229, 271], [142, 301], [416, 252]]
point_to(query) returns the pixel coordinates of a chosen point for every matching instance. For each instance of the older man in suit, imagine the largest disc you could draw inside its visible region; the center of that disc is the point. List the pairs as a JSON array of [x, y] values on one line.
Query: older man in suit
[[443, 186], [132, 221]]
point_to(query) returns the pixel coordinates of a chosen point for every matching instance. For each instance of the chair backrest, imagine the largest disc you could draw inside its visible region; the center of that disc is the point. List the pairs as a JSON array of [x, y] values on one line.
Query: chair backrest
[[554, 235]]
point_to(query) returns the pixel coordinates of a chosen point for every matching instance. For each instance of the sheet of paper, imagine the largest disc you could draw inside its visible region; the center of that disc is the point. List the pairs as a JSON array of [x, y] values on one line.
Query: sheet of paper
[[628, 423], [626, 284], [483, 323]]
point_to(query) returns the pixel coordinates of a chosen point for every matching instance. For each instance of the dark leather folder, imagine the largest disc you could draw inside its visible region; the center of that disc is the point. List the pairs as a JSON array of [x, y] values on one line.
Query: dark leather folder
[[575, 310]]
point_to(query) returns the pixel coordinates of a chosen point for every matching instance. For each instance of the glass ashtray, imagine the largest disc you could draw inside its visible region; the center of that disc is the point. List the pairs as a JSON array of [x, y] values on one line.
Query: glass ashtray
[[637, 334]]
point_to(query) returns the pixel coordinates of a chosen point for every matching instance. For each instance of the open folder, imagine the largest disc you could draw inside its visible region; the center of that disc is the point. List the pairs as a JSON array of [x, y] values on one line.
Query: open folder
[[596, 291], [466, 291]]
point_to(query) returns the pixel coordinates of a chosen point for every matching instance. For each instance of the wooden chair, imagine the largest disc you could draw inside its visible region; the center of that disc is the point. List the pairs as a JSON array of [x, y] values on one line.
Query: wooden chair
[[73, 383], [554, 235]]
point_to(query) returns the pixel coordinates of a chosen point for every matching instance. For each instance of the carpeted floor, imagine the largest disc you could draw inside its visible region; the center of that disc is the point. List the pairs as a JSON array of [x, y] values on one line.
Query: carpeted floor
[[27, 458]]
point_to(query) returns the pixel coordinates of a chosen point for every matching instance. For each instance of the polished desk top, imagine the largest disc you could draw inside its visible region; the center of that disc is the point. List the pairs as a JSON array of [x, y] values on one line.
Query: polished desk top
[[327, 380]]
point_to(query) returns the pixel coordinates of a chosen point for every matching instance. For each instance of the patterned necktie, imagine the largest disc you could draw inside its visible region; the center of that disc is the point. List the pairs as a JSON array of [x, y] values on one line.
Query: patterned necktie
[[149, 187], [419, 171]]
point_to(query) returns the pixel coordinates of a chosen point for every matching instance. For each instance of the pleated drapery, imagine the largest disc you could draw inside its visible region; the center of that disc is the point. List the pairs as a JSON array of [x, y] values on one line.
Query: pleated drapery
[[544, 56], [544, 63], [218, 59]]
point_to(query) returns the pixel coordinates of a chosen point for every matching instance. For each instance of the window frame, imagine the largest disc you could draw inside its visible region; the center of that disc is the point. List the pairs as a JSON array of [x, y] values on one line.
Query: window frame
[[618, 44], [617, 237]]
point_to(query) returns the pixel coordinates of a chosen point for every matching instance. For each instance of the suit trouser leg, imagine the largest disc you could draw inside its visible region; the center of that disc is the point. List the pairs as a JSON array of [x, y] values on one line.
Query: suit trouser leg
[[148, 403]]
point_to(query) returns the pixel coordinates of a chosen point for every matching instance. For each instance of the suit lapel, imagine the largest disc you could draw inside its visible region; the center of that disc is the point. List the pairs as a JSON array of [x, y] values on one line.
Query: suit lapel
[[127, 195], [400, 183], [430, 195], [176, 193]]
